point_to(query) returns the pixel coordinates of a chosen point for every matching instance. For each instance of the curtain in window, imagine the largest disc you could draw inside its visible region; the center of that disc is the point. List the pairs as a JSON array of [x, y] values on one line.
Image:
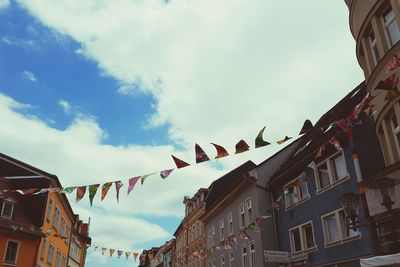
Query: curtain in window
[[323, 176], [332, 231], [340, 167]]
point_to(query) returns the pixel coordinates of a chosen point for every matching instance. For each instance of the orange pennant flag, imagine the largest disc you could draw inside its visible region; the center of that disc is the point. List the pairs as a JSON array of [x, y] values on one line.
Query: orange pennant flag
[[111, 252], [221, 151], [104, 189]]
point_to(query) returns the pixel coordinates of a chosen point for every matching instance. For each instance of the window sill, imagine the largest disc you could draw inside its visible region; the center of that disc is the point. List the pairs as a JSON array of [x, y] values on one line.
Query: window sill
[[334, 184], [315, 248], [9, 263], [298, 203], [343, 241]]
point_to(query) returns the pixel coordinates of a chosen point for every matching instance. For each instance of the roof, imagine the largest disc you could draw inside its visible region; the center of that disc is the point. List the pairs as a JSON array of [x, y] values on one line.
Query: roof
[[222, 186], [322, 132]]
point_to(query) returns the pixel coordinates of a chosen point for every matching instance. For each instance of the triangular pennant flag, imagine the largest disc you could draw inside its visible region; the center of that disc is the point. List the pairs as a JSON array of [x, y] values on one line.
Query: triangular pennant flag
[[201, 156], [241, 147], [144, 177], [280, 142], [391, 94], [111, 252], [95, 248], [307, 126], [179, 163], [131, 184], [103, 250], [258, 222], [335, 143], [104, 189], [68, 190], [389, 83], [252, 226], [319, 152], [221, 151], [119, 253], [367, 110], [118, 185], [80, 192], [165, 173], [394, 62], [342, 123], [135, 255], [259, 142], [127, 253], [92, 192]]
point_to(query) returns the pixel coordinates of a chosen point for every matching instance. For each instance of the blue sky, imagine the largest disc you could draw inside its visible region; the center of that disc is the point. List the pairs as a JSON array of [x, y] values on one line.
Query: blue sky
[[97, 91]]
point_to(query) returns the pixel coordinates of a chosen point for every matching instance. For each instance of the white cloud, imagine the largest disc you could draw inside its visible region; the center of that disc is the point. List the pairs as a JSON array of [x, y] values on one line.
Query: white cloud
[[4, 4], [65, 105], [127, 89], [29, 75], [15, 41]]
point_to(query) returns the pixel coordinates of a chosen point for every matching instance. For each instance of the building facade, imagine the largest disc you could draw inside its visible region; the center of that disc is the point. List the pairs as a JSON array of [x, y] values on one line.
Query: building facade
[[374, 25], [312, 221], [177, 255], [79, 243]]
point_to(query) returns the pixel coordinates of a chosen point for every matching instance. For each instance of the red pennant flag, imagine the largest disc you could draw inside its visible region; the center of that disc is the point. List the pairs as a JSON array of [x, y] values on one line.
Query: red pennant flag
[[201, 156], [258, 222], [280, 142], [119, 253], [180, 163], [389, 83], [103, 250], [241, 147], [118, 185], [111, 252], [394, 63], [221, 152], [132, 183], [80, 192], [335, 143]]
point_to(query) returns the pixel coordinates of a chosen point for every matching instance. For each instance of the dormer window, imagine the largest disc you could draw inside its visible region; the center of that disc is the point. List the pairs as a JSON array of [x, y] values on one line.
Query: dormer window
[[7, 209]]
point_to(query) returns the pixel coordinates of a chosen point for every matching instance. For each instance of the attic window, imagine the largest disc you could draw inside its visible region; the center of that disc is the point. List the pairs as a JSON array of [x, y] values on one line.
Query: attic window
[[7, 209]]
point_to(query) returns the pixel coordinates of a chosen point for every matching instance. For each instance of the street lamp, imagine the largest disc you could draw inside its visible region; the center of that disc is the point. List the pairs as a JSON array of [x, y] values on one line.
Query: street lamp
[[350, 203]]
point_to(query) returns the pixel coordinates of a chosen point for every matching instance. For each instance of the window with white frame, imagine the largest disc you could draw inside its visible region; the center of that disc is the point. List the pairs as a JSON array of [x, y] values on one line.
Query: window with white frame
[[11, 253], [49, 209], [7, 209], [231, 259], [50, 253], [245, 257], [391, 27], [337, 227], [43, 252], [374, 47], [222, 260], [395, 127], [296, 191], [331, 170], [56, 217], [211, 235], [302, 238], [58, 258], [221, 230], [242, 217], [252, 255], [230, 224], [249, 215]]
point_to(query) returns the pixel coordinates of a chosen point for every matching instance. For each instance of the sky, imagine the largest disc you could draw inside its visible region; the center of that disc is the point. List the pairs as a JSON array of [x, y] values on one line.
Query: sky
[[96, 91]]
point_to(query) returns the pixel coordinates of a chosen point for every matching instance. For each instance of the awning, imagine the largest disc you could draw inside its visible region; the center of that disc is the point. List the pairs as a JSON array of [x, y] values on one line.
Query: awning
[[380, 260]]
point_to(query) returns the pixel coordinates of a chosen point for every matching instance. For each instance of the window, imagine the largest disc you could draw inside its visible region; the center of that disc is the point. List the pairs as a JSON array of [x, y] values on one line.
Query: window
[[7, 209], [221, 229], [11, 252], [211, 263], [337, 227], [394, 123], [296, 191], [252, 255], [49, 209], [391, 27], [302, 238], [58, 258], [222, 260], [374, 47], [198, 229], [245, 260], [50, 254], [43, 252], [64, 261], [62, 226], [249, 215], [56, 217], [230, 224], [231, 259], [211, 234], [242, 217], [331, 171], [67, 233]]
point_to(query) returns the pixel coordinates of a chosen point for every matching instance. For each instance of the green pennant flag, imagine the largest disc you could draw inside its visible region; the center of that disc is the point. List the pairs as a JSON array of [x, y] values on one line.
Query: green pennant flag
[[92, 192], [259, 142], [144, 177], [68, 190], [252, 226]]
